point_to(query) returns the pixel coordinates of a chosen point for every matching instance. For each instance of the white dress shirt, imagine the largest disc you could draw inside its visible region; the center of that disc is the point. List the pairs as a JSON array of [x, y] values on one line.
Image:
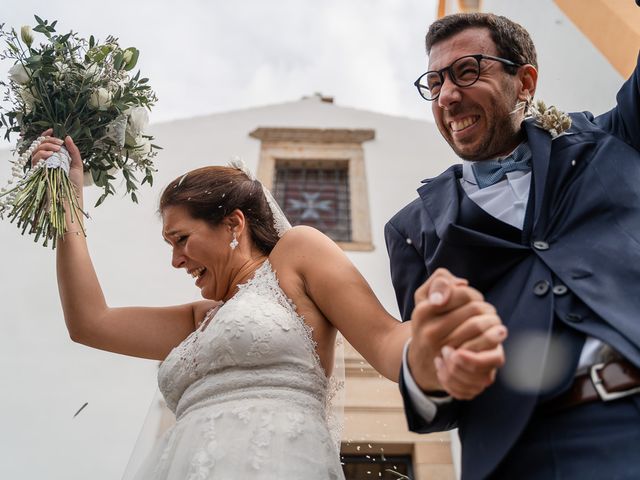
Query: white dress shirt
[[505, 200]]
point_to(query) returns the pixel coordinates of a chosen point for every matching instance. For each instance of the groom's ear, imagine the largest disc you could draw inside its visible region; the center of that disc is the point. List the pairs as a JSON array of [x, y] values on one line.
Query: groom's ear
[[528, 76]]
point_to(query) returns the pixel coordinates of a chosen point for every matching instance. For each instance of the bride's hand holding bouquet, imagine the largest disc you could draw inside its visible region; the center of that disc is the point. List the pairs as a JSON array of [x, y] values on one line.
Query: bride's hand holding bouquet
[[80, 89], [51, 146]]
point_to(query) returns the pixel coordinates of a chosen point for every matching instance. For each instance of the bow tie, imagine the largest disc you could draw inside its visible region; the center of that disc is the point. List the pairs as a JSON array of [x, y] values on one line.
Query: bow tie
[[489, 172]]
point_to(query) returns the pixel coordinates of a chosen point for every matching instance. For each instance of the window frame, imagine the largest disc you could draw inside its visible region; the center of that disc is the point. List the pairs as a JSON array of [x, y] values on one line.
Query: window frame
[[323, 145]]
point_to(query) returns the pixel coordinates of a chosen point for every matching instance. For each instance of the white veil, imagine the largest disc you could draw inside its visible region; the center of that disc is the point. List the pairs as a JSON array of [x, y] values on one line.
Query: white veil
[[157, 421]]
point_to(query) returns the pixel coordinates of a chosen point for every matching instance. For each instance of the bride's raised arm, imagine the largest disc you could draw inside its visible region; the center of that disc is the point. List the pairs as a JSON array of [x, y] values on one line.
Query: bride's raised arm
[[147, 332]]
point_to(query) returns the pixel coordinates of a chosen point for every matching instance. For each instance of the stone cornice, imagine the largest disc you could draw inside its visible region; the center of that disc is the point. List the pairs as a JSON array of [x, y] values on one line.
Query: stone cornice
[[313, 135]]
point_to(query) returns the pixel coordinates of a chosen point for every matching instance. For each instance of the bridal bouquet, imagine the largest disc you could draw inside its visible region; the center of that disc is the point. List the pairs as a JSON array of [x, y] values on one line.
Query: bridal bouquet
[[81, 88]]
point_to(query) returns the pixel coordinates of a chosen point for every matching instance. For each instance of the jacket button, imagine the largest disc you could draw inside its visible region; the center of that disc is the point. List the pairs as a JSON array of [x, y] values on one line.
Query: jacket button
[[540, 245], [541, 288], [574, 318], [560, 290]]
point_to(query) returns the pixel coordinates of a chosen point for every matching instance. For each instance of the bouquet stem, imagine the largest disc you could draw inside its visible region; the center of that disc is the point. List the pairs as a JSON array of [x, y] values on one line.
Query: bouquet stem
[[39, 202]]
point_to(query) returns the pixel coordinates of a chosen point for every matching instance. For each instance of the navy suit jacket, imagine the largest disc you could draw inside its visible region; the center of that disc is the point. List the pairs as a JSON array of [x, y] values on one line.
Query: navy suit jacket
[[582, 230]]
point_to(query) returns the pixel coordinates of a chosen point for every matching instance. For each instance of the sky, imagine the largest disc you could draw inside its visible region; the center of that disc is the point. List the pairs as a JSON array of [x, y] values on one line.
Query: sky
[[205, 57]]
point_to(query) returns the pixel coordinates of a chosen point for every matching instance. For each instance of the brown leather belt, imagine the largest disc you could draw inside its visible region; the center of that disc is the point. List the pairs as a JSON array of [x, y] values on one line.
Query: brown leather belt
[[604, 381]]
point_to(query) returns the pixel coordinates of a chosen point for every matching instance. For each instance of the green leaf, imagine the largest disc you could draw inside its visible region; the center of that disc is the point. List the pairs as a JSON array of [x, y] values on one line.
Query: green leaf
[[33, 59], [102, 198], [117, 61], [39, 20]]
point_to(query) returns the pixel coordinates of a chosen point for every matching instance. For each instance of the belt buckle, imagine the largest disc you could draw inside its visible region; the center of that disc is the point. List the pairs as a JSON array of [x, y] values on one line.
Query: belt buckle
[[604, 395]]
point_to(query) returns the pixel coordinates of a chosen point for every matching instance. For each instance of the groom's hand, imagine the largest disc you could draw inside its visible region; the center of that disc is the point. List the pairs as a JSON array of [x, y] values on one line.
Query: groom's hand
[[457, 338]]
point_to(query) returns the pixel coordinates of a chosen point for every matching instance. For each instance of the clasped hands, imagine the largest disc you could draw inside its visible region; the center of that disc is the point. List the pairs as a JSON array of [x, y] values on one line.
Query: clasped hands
[[457, 337]]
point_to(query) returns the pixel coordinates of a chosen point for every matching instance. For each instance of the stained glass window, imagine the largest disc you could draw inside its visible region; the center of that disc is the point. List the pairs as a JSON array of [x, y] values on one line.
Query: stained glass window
[[315, 193]]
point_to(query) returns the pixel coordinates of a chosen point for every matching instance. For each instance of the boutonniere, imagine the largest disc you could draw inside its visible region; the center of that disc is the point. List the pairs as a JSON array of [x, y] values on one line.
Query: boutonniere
[[550, 119]]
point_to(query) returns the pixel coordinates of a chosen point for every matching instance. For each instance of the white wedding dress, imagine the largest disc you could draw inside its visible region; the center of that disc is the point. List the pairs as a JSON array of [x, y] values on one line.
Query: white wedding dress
[[249, 395]]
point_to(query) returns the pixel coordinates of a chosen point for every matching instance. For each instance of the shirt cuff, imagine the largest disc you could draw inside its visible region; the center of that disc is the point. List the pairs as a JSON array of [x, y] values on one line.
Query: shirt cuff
[[425, 405]]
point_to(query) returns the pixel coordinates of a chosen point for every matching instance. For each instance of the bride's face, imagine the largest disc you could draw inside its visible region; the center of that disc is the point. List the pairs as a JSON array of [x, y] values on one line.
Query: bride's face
[[202, 250]]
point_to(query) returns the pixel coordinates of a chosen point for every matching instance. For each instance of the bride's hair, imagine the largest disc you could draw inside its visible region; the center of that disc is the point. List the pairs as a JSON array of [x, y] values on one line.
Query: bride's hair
[[212, 193]]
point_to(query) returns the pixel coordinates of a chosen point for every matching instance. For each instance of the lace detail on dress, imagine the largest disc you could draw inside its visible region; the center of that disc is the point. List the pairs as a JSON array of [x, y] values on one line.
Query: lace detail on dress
[[203, 461], [335, 400], [185, 351], [250, 396], [265, 281]]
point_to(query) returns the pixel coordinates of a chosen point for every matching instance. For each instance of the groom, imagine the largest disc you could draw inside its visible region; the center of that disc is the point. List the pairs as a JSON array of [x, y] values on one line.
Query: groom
[[545, 222]]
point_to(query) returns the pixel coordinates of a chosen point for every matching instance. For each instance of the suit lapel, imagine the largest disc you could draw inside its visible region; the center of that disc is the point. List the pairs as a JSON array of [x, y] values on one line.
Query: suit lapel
[[540, 144], [441, 198]]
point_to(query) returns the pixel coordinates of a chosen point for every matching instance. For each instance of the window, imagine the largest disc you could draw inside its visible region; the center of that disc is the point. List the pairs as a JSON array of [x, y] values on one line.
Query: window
[[316, 194], [318, 178]]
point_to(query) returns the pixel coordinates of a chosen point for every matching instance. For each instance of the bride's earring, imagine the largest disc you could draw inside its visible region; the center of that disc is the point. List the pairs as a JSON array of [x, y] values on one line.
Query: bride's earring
[[234, 243]]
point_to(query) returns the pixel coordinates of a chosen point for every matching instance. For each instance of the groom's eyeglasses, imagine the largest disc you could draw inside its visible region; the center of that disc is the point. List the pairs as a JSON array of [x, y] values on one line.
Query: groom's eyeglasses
[[463, 72]]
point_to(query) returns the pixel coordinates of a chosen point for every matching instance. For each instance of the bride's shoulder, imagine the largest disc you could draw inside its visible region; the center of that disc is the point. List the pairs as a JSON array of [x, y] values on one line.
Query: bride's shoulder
[[302, 238], [303, 244]]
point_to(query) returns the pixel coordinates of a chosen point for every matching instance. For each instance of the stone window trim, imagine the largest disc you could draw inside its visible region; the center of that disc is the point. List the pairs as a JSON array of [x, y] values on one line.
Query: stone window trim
[[322, 146]]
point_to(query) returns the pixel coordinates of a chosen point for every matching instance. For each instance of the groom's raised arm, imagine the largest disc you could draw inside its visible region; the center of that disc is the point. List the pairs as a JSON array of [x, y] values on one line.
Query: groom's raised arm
[[623, 120]]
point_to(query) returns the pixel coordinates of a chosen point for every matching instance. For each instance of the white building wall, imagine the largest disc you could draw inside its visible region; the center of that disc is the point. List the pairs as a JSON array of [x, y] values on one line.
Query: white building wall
[[46, 377], [573, 74]]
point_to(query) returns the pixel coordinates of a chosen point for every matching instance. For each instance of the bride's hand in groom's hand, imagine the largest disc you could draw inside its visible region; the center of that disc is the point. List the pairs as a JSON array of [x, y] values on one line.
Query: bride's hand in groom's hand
[[50, 145], [456, 338], [432, 320], [472, 352]]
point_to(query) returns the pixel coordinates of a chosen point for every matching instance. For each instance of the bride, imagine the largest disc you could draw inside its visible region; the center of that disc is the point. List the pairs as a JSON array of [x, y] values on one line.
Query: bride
[[245, 370]]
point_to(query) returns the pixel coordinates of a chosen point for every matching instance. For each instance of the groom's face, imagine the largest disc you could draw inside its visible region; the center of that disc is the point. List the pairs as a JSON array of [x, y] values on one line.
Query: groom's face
[[476, 120]]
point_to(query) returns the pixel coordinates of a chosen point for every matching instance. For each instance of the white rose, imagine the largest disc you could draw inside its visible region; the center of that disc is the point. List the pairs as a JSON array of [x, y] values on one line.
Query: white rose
[[27, 35], [18, 74], [141, 150], [100, 99], [91, 71], [138, 121], [114, 85], [27, 98], [116, 130]]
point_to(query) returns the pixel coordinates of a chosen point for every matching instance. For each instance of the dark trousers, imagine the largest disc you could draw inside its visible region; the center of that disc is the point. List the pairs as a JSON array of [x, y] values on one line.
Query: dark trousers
[[599, 441]]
